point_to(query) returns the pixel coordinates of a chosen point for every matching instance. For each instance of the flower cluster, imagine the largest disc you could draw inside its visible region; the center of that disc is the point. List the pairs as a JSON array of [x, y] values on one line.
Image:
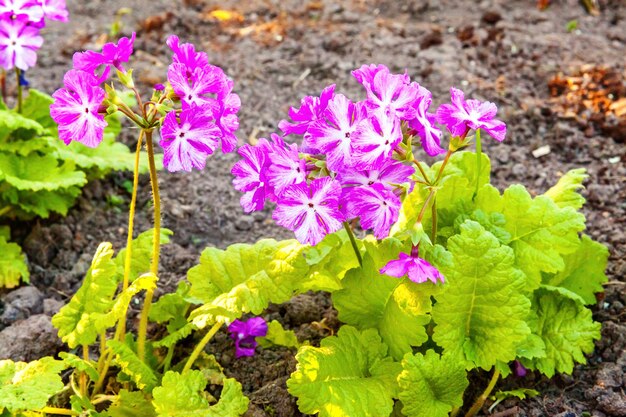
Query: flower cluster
[[206, 116], [20, 23], [351, 164]]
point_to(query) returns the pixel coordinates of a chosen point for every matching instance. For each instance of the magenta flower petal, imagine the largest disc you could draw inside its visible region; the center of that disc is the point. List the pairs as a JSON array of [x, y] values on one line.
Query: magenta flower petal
[[390, 174], [186, 55], [244, 334], [202, 88], [376, 206], [187, 143], [311, 109], [31, 10], [228, 121], [18, 43], [75, 109], [375, 139], [55, 10], [424, 124], [471, 114], [286, 167], [250, 176], [417, 269], [112, 55], [311, 211]]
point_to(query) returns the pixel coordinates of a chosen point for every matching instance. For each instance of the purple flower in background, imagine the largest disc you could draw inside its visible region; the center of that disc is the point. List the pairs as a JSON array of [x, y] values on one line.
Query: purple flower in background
[[376, 206], [418, 269], [519, 369], [186, 55], [18, 43], [375, 139], [390, 174], [286, 167], [332, 134], [75, 109], [31, 10], [206, 83], [112, 55], [250, 176], [311, 211], [244, 333], [424, 124], [394, 94], [188, 143], [311, 109], [55, 10], [462, 115], [159, 87]]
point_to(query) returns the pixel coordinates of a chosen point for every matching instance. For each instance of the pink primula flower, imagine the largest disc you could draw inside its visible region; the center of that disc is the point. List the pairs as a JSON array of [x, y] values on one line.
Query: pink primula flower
[[244, 333], [287, 168], [186, 55], [462, 115], [376, 206], [311, 211], [31, 10], [112, 55], [418, 269], [18, 43], [424, 124], [75, 109], [202, 88], [375, 139], [187, 143], [311, 109], [390, 174], [251, 176], [55, 10]]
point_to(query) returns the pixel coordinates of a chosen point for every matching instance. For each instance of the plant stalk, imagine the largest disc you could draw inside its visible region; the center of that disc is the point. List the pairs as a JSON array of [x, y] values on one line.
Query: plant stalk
[[419, 166], [156, 247], [346, 226], [58, 411], [19, 89], [121, 333], [200, 347], [478, 159], [480, 401], [434, 220], [5, 210]]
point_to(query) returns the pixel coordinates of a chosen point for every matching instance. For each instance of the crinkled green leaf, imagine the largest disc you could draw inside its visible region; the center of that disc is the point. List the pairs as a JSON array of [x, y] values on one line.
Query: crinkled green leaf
[[36, 107], [80, 364], [128, 361], [409, 212], [481, 312], [76, 321], [431, 385], [141, 251], [584, 271], [463, 165], [278, 336], [39, 172], [541, 232], [11, 121], [348, 375], [398, 308], [40, 203], [567, 328], [12, 263], [245, 278], [182, 395], [521, 393], [131, 404], [172, 309], [29, 386], [565, 192]]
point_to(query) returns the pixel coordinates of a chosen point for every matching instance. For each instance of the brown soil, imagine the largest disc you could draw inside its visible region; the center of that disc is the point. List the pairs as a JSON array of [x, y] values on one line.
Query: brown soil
[[279, 51]]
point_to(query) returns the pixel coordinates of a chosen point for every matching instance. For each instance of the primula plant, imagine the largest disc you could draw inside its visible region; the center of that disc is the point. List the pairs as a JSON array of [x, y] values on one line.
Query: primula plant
[[39, 176], [456, 277]]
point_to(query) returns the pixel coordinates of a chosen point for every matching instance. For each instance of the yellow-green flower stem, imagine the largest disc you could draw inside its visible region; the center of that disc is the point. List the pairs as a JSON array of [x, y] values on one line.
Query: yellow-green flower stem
[[58, 411], [19, 89], [478, 159], [200, 347], [83, 379], [480, 401], [156, 247], [419, 166], [348, 228], [5, 210], [121, 329]]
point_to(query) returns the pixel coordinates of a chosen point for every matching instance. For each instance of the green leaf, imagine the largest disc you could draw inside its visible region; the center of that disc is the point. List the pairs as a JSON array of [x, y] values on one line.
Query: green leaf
[[39, 172], [37, 107], [398, 308], [277, 336], [128, 361], [29, 386], [541, 232], [567, 328], [76, 321], [584, 271], [141, 251], [173, 308], [11, 121], [131, 404], [29, 203], [348, 375], [409, 212], [565, 192], [463, 165], [521, 393], [431, 385], [183, 395], [245, 278], [80, 364], [481, 312], [12, 263]]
